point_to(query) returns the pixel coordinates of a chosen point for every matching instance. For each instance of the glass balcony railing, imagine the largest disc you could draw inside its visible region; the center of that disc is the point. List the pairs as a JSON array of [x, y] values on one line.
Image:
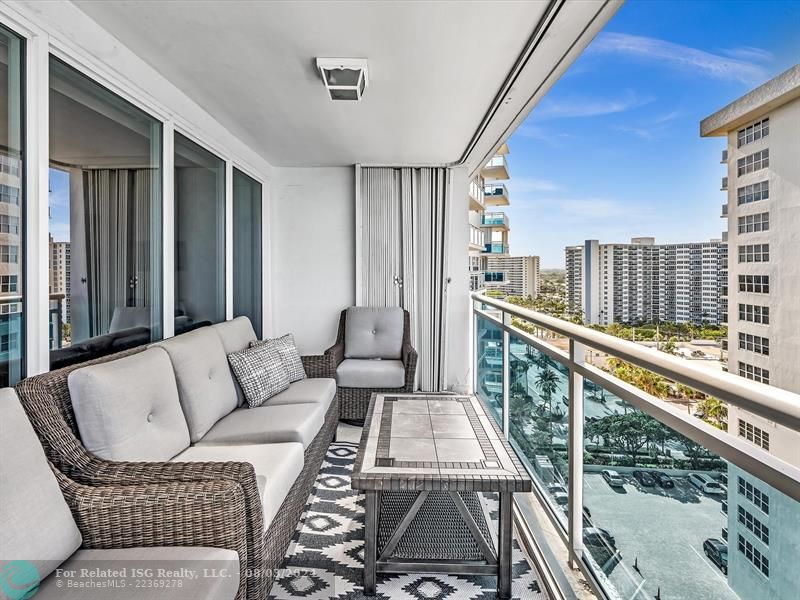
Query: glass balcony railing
[[476, 236], [496, 248], [494, 219], [650, 500]]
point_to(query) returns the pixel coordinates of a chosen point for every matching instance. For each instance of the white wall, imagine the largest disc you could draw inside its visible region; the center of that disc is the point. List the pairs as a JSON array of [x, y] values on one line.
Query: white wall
[[312, 237], [459, 310]]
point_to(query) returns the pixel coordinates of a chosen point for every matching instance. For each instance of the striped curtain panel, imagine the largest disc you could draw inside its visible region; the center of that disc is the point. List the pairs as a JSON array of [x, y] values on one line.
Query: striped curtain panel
[[118, 221], [403, 252]]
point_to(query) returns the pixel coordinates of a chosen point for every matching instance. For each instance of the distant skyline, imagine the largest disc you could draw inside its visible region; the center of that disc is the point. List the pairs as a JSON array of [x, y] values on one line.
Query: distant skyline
[[613, 151]]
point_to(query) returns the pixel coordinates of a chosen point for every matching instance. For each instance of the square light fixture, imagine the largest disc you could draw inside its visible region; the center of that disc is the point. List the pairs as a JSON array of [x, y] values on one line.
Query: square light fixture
[[344, 78]]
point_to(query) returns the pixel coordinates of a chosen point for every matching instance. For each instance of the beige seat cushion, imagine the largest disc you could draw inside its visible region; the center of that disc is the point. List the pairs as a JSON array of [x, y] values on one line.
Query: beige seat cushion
[[268, 424], [128, 409], [277, 467], [373, 332], [36, 524], [358, 373], [315, 391], [199, 559]]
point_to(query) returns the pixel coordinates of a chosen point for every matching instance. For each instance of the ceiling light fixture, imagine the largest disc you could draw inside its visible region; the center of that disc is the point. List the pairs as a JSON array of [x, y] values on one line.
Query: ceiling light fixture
[[344, 78]]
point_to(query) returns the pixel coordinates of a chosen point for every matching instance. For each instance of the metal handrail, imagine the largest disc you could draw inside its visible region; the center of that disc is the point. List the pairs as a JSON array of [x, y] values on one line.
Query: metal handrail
[[769, 402]]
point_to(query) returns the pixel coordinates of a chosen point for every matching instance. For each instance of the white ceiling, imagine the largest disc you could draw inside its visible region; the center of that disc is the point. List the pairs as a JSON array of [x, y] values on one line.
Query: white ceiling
[[435, 68]]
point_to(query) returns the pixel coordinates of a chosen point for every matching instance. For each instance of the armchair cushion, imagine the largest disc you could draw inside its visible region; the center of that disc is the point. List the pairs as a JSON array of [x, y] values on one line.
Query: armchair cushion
[[205, 386], [35, 521], [277, 466], [171, 558], [236, 335], [373, 332], [128, 409], [359, 373]]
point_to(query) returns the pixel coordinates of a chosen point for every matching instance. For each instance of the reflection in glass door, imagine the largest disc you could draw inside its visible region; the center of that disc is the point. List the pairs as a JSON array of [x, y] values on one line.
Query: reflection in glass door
[[247, 248]]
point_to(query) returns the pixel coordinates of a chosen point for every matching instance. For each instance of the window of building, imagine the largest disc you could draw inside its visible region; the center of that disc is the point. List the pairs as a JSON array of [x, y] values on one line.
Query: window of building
[[752, 372], [758, 284], [754, 253], [754, 434], [9, 342], [199, 234], [754, 343], [247, 248], [758, 498], [9, 224], [753, 162], [9, 253], [754, 223], [8, 284], [105, 218], [753, 524], [752, 133], [754, 555], [752, 193], [9, 194], [754, 313]]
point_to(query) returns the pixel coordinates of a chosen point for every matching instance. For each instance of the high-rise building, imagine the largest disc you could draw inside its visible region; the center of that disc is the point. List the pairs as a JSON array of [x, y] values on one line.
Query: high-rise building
[[60, 275], [513, 275], [488, 229], [762, 157], [10, 261], [645, 282]]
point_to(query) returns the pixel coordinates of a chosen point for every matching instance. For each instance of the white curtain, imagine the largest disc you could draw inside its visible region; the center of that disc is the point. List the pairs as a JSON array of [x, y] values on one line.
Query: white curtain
[[403, 255]]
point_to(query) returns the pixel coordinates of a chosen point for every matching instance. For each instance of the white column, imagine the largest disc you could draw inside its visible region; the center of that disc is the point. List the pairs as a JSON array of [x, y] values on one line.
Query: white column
[[577, 353]]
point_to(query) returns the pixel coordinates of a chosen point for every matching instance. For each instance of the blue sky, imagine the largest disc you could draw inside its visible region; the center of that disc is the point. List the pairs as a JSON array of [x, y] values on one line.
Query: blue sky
[[613, 151]]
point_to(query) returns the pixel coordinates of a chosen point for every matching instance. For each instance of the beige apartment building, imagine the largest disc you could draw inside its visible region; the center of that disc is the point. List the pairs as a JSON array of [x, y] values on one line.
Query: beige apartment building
[[763, 231], [513, 275]]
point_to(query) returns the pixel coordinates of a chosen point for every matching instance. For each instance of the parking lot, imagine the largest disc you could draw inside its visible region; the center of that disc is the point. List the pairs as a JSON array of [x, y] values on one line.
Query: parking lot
[[664, 530]]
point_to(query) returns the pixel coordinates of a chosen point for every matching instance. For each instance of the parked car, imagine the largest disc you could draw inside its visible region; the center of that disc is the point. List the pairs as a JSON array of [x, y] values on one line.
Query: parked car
[[706, 484], [717, 552], [662, 479], [613, 478], [561, 498], [597, 536], [644, 478], [554, 488]]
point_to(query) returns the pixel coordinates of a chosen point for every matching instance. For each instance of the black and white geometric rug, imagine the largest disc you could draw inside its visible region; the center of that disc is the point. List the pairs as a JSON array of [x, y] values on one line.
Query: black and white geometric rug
[[326, 557]]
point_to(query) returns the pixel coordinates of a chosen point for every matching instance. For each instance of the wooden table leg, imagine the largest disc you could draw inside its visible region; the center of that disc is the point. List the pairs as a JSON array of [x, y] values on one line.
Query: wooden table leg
[[504, 543], [370, 542]]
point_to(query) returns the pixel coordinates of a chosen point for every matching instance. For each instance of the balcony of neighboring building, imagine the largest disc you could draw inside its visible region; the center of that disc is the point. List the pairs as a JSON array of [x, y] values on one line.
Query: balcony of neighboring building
[[495, 220], [477, 238], [496, 169], [724, 213], [495, 194], [724, 185], [724, 158], [476, 196], [495, 248]]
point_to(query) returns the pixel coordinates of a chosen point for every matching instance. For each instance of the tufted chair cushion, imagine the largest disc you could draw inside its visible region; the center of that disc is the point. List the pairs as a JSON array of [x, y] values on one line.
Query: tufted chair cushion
[[373, 332]]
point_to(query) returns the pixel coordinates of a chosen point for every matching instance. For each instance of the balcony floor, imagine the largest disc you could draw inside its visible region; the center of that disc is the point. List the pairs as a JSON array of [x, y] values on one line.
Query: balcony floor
[[325, 558]]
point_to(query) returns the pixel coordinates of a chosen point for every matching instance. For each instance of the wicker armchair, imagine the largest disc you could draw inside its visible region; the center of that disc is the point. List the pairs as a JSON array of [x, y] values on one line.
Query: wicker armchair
[[353, 402], [46, 401]]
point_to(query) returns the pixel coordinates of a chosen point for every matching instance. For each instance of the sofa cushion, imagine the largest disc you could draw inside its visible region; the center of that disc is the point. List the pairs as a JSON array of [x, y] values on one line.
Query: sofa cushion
[[314, 390], [205, 385], [172, 559], [236, 335], [260, 371], [128, 409], [361, 373], [277, 467], [373, 332], [268, 424], [35, 521], [289, 355]]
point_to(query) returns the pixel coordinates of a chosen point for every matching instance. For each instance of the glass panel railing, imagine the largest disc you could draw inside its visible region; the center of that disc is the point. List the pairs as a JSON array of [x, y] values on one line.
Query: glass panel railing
[[489, 366], [538, 418], [666, 518]]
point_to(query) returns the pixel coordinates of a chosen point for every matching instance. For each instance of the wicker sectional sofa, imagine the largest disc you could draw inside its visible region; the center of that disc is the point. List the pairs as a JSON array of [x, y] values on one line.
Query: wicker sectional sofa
[[273, 452]]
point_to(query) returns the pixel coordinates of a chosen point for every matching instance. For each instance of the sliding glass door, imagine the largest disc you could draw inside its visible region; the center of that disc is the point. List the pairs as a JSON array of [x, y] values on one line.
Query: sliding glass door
[[247, 248], [12, 204], [105, 220], [199, 236]]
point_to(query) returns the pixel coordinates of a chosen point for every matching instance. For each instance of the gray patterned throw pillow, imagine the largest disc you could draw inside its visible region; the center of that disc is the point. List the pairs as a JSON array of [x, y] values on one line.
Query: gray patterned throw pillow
[[261, 373], [288, 353]]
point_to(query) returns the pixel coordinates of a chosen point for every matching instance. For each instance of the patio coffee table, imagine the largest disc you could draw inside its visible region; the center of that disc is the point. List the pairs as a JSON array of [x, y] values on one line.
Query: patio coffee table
[[422, 462]]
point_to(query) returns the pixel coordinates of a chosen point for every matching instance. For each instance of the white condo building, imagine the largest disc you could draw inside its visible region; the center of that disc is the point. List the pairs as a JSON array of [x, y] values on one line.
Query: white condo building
[[513, 275], [646, 282], [762, 157]]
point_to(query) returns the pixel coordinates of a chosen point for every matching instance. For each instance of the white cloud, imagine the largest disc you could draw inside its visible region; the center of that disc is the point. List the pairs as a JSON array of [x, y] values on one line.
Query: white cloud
[[749, 53], [574, 106], [685, 58]]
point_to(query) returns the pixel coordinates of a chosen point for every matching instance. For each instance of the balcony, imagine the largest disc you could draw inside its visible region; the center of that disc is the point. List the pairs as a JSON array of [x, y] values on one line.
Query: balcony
[[629, 534], [495, 194], [495, 220], [724, 236], [496, 169], [495, 276], [724, 185], [724, 213], [476, 238], [495, 248], [724, 158], [476, 197]]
